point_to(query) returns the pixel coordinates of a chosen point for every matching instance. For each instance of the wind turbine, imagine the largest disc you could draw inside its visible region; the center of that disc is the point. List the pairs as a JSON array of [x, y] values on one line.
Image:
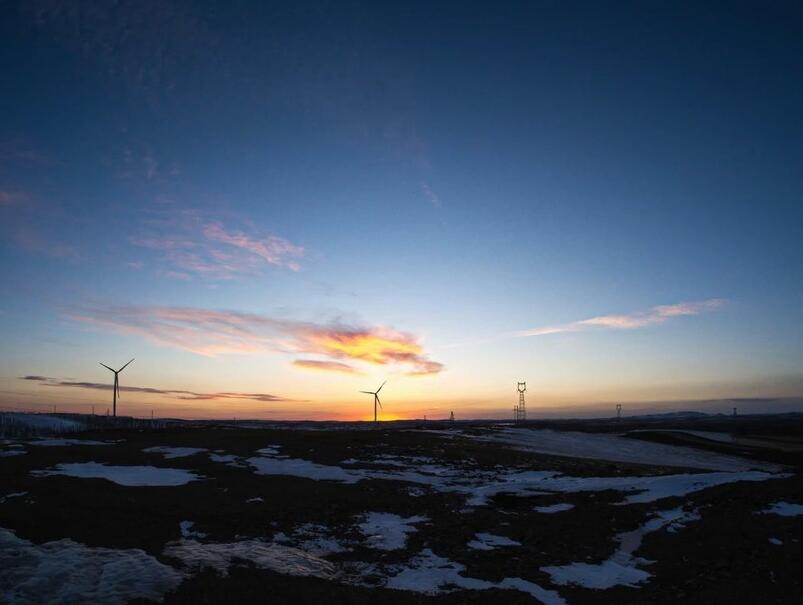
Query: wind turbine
[[116, 390], [376, 397]]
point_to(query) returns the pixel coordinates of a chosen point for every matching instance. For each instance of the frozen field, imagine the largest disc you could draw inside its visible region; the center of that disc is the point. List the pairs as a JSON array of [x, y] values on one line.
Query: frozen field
[[401, 516]]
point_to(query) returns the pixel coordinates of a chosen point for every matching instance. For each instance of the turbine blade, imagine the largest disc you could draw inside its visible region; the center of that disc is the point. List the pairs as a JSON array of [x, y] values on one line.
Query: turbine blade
[[368, 392], [379, 402], [380, 388], [105, 366], [124, 367]]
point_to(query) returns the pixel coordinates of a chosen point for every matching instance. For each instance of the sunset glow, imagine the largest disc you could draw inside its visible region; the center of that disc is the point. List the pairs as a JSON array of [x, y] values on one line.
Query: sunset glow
[[273, 209]]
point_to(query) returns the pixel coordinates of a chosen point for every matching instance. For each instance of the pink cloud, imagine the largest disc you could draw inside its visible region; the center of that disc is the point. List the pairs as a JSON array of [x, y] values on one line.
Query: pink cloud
[[272, 249], [190, 243], [326, 366], [631, 321]]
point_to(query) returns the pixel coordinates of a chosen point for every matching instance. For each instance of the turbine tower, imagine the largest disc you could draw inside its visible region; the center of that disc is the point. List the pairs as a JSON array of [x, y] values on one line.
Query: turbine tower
[[116, 389], [376, 398]]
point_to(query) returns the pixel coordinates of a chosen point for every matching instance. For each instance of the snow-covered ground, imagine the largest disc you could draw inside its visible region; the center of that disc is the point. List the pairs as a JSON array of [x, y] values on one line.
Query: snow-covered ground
[[710, 435], [622, 568], [174, 452], [387, 531], [479, 486], [605, 446], [58, 442], [64, 572], [42, 422], [122, 475]]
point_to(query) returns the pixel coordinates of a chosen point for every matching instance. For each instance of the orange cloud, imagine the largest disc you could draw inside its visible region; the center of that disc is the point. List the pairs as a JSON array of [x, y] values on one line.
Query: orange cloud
[[631, 321], [379, 346], [214, 332]]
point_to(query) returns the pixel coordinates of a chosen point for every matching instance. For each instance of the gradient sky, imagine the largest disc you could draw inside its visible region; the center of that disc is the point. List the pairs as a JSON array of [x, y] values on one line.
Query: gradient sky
[[273, 206]]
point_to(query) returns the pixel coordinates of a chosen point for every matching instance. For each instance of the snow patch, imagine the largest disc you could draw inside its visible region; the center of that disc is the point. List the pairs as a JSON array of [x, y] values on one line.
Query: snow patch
[[265, 555], [387, 531], [131, 476], [3, 499], [785, 509], [776, 542], [490, 542], [174, 452], [554, 508], [223, 457], [297, 467], [13, 452], [187, 530], [64, 572]]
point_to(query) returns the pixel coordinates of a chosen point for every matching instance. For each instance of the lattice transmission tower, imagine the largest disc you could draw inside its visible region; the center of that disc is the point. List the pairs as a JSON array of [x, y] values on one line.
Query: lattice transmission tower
[[520, 411]]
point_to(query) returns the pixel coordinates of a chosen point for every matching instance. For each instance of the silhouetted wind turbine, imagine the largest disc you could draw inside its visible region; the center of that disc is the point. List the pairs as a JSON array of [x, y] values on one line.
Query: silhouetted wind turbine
[[376, 397], [116, 390]]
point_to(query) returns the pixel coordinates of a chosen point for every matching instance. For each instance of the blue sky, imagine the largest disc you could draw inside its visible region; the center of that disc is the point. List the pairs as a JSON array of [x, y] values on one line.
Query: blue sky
[[303, 201]]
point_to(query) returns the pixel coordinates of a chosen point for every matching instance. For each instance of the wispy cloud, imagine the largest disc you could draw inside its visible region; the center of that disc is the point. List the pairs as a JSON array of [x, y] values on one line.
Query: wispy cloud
[[218, 332], [326, 366], [190, 243], [630, 321], [433, 197], [175, 394]]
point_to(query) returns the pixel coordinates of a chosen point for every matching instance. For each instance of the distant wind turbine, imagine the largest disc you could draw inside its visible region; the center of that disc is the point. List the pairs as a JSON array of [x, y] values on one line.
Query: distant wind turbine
[[116, 390], [376, 397]]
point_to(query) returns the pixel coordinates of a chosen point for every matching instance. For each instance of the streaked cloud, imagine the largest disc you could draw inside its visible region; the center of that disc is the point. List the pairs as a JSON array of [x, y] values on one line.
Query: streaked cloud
[[175, 394], [630, 321], [431, 196], [220, 332], [272, 249], [326, 366], [190, 243]]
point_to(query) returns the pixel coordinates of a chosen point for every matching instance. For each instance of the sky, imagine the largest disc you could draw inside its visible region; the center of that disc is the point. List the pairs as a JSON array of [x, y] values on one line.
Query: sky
[[274, 206]]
